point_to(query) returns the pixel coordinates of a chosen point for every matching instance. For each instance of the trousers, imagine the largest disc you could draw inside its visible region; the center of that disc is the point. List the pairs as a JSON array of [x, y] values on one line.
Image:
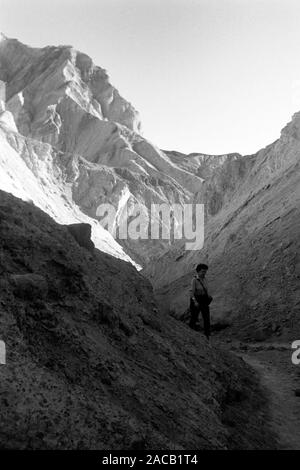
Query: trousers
[[204, 309]]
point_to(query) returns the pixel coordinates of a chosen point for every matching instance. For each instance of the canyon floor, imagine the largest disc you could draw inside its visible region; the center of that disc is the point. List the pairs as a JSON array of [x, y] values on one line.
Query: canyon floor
[[279, 378]]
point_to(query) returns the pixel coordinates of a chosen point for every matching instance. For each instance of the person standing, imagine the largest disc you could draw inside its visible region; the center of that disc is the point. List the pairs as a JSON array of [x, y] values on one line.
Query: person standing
[[200, 300]]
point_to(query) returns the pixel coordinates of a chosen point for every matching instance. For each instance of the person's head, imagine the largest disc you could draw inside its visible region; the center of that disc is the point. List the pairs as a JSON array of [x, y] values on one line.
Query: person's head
[[201, 269]]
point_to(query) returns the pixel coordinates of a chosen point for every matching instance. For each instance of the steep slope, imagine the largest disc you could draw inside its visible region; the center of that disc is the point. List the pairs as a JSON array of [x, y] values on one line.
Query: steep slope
[[92, 364], [221, 175], [58, 96], [33, 171], [251, 243]]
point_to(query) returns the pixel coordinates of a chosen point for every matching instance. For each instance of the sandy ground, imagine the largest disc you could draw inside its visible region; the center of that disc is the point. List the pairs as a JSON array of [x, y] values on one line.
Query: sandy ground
[[279, 378]]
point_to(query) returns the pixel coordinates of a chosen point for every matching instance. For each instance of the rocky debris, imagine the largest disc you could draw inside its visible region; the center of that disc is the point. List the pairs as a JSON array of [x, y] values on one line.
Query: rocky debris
[[29, 286], [82, 234], [92, 363]]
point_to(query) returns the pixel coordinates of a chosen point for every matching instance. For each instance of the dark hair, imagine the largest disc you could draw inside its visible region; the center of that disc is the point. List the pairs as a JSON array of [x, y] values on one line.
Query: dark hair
[[201, 266]]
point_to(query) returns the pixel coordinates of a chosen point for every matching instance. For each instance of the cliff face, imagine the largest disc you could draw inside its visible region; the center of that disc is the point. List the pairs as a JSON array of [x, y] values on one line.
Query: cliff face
[[251, 242], [57, 96], [92, 363], [221, 175], [38, 80], [34, 171]]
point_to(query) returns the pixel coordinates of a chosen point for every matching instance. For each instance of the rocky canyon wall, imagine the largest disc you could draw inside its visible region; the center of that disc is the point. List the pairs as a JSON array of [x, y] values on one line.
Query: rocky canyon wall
[[251, 241]]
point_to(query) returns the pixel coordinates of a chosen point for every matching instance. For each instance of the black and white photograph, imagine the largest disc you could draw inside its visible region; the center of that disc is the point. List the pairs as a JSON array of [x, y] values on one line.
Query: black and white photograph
[[149, 229]]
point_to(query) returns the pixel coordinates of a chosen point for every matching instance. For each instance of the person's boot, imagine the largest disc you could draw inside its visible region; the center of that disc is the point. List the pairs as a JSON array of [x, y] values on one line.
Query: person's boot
[[209, 341]]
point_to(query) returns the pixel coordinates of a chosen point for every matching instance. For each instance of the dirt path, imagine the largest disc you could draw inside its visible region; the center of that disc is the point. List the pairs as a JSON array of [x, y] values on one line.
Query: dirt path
[[279, 377]]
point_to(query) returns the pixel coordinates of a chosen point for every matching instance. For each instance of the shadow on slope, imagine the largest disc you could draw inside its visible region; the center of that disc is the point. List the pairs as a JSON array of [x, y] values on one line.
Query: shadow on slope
[[92, 363]]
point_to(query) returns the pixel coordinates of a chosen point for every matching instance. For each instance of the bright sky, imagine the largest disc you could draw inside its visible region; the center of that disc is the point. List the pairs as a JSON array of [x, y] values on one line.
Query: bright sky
[[212, 76]]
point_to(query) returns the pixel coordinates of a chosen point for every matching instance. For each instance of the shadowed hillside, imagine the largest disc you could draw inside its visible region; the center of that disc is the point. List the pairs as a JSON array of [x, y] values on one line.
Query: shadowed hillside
[[92, 363]]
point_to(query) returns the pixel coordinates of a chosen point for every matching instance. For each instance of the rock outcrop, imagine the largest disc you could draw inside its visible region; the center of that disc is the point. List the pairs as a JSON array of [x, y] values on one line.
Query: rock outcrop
[[82, 234], [92, 364]]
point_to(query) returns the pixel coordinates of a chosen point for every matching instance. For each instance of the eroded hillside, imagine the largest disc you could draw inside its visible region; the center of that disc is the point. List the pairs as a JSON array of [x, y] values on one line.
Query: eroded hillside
[[92, 363], [59, 97], [251, 243]]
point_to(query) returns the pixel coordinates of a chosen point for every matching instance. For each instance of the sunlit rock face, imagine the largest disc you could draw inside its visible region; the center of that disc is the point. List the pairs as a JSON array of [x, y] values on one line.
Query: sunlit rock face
[[221, 175], [33, 171], [59, 97], [252, 230]]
